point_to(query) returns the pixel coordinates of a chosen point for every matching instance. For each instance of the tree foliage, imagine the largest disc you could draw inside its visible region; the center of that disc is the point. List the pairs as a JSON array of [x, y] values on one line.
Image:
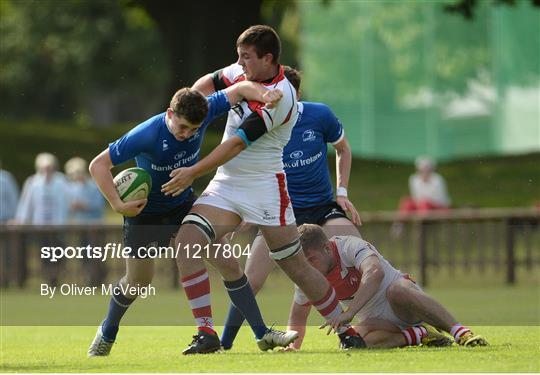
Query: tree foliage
[[57, 54]]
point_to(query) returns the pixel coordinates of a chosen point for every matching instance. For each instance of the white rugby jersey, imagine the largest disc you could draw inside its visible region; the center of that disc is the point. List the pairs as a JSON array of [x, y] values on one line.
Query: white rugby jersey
[[264, 156], [348, 252]]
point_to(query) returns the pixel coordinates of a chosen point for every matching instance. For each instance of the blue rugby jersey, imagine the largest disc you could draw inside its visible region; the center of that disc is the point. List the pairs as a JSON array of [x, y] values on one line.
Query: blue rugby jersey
[[157, 151], [304, 157]]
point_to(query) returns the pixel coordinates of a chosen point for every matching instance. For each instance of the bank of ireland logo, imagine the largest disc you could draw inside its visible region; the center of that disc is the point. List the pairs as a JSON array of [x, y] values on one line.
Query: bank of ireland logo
[[165, 145], [296, 154], [308, 135], [180, 155]]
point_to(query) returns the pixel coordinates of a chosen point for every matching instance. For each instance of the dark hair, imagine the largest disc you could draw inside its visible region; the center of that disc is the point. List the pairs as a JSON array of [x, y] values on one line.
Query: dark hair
[[264, 39], [294, 76], [190, 104], [312, 237]]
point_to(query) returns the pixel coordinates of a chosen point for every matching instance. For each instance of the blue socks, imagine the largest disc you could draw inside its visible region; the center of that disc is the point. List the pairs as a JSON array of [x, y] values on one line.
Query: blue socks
[[232, 326], [243, 299], [117, 307]]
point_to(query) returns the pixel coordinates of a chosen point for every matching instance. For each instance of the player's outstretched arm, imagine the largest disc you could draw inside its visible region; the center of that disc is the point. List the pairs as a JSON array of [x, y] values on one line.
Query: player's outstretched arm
[[205, 85], [253, 92], [297, 322], [181, 178], [343, 173], [100, 169], [372, 277]]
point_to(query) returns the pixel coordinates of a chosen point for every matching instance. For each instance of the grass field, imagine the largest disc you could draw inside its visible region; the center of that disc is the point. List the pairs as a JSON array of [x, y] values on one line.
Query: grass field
[[157, 349], [157, 329]]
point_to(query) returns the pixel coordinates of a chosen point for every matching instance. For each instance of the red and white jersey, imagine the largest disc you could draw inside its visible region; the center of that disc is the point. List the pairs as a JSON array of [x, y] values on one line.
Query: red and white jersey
[[264, 156], [348, 253]]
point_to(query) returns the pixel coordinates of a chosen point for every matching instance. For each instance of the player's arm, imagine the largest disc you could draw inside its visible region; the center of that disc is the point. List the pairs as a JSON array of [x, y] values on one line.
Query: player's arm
[[297, 322], [251, 129], [181, 178], [343, 173], [252, 91], [100, 170], [212, 82], [372, 277], [205, 85]]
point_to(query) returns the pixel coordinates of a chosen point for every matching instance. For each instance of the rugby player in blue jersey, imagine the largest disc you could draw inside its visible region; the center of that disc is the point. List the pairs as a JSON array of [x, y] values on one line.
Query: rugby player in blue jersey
[[161, 144], [311, 193]]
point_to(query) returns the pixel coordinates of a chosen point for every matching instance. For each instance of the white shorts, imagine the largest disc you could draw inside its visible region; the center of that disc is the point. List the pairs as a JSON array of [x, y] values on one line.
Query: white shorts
[[258, 201], [379, 307]]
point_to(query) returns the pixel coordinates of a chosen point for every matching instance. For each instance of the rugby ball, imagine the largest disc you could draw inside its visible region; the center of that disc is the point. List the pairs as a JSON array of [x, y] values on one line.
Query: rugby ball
[[132, 184]]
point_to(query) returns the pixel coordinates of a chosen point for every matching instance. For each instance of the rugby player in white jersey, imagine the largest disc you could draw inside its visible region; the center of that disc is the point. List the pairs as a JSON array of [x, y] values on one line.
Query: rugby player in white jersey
[[392, 311], [311, 193], [249, 185]]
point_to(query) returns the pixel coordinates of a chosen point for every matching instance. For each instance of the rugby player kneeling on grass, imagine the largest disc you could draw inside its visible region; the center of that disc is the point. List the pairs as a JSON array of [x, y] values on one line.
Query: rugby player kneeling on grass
[[391, 309]]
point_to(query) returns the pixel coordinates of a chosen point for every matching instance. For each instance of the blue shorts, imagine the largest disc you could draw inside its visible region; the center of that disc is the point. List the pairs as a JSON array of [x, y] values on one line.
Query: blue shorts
[[318, 214], [145, 230]]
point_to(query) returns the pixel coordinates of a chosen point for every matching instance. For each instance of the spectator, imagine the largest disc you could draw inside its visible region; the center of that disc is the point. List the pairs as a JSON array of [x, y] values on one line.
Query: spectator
[[427, 193], [43, 202], [43, 199], [86, 205], [9, 196], [427, 189]]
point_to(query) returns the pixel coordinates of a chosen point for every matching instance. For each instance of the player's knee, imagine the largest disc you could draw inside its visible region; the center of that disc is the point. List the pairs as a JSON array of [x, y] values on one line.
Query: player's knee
[[340, 227], [133, 284], [139, 280], [202, 224], [396, 293], [287, 251], [229, 268]]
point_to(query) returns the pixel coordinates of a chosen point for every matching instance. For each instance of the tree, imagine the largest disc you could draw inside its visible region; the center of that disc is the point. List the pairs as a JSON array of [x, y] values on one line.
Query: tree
[[58, 55], [200, 36]]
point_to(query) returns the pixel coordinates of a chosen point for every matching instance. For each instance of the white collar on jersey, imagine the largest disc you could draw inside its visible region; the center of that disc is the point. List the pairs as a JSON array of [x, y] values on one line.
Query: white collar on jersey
[[300, 107]]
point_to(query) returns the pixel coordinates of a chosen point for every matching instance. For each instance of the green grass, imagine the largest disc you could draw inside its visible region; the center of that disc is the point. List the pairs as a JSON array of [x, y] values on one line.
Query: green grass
[[157, 349], [477, 302], [51, 335]]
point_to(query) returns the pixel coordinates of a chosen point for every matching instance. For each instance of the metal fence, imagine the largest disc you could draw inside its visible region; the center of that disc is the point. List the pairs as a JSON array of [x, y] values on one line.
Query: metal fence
[[504, 240], [479, 240]]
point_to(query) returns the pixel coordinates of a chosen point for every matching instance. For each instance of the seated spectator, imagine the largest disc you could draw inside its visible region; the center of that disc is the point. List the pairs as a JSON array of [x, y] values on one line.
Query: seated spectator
[[427, 189]]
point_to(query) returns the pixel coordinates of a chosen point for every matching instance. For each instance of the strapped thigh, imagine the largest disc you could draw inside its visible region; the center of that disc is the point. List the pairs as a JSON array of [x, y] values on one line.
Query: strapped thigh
[[202, 224], [286, 251]]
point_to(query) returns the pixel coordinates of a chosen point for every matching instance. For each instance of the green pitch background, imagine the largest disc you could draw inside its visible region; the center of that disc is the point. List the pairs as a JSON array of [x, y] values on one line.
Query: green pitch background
[[507, 316], [157, 349]]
